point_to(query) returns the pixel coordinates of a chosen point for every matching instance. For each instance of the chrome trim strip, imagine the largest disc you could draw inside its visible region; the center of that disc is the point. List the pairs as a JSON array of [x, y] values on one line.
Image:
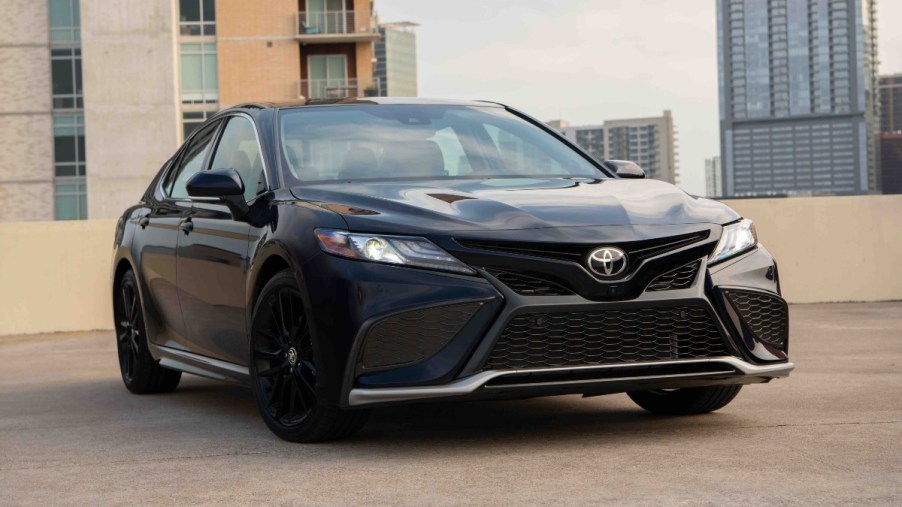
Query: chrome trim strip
[[199, 365], [366, 396]]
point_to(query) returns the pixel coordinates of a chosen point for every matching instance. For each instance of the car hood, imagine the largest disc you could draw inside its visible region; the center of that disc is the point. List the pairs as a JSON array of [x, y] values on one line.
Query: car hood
[[511, 204]]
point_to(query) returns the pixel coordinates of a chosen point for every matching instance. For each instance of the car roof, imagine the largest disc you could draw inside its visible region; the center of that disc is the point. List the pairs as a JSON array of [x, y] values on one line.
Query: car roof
[[360, 101]]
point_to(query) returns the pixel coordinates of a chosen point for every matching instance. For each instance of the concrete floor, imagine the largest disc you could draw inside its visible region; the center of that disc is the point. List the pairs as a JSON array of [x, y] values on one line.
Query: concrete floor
[[829, 434]]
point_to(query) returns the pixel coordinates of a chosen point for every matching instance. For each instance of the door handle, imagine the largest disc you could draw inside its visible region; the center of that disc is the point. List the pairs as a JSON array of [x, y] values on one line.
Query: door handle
[[186, 225], [143, 221]]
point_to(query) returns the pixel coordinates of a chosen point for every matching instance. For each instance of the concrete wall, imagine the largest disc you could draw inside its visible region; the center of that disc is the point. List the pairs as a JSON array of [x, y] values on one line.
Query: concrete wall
[[258, 57], [832, 248], [131, 97], [26, 136], [54, 276]]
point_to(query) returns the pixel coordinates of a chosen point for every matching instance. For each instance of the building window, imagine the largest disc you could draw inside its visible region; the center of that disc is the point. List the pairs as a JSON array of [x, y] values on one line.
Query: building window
[[64, 21], [65, 69], [69, 146], [197, 17], [191, 120], [71, 200], [200, 83]]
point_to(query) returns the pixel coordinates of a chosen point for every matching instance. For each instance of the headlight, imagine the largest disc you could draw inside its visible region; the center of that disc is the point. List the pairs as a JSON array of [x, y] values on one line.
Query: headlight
[[736, 238], [400, 250]]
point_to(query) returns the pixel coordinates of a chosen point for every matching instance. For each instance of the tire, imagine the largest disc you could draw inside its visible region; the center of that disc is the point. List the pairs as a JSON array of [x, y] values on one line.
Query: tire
[[283, 369], [141, 373], [693, 400]]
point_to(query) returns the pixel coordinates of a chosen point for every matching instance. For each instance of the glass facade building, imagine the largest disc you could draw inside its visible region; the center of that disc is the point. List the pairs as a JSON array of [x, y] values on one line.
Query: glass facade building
[[891, 103], [67, 108], [396, 60], [798, 103]]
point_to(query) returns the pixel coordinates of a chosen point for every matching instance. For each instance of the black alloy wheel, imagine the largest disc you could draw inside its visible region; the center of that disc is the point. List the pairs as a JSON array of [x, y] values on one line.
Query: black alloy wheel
[[141, 373], [284, 371]]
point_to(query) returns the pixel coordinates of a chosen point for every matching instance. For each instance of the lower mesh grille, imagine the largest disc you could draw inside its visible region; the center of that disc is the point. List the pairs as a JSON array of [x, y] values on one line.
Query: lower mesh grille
[[679, 278], [411, 337], [529, 285], [539, 340], [766, 315]]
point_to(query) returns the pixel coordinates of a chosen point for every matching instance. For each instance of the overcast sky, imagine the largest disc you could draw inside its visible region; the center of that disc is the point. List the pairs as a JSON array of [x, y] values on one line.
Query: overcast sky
[[590, 60]]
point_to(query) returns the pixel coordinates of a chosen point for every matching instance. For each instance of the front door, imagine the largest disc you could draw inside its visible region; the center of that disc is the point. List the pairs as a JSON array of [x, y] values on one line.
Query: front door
[[213, 253]]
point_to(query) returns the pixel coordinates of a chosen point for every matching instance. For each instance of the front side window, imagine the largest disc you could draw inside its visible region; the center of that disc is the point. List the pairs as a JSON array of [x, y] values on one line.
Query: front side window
[[340, 143], [197, 17], [192, 161], [200, 83], [238, 150]]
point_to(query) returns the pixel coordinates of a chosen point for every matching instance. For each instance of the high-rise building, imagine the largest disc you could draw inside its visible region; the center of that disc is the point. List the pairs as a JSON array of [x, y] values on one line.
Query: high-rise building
[[891, 103], [891, 162], [99, 93], [798, 105], [42, 124], [649, 142], [713, 173], [396, 60]]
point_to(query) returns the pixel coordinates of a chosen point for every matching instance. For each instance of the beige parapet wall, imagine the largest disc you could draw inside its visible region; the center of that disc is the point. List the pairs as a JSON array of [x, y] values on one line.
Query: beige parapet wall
[[54, 276]]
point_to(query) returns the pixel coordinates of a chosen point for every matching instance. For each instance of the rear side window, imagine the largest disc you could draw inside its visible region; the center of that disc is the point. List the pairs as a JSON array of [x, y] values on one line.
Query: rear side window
[[238, 150], [192, 162]]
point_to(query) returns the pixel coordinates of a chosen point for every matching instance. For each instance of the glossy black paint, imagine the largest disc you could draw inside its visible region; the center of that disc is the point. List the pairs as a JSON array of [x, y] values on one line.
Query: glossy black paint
[[200, 265]]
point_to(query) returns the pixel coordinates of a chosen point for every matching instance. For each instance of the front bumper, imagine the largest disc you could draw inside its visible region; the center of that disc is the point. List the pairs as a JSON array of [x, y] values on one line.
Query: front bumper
[[587, 380], [365, 296]]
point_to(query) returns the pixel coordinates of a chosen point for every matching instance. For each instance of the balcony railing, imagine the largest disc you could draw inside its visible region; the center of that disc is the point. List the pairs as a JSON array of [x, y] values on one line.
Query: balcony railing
[[312, 25], [335, 89]]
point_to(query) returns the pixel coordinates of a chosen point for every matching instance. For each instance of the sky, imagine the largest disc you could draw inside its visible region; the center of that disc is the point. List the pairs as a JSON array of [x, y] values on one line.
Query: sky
[[590, 60]]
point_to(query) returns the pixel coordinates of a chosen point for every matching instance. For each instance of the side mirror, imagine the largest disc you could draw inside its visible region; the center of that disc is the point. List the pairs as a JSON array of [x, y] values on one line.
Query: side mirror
[[223, 184], [626, 169]]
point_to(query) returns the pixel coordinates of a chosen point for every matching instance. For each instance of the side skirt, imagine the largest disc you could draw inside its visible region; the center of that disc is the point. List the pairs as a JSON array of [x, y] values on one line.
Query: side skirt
[[196, 364]]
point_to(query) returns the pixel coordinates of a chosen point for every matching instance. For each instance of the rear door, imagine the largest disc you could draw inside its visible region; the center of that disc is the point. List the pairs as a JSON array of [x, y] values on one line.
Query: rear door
[[157, 237], [213, 252]]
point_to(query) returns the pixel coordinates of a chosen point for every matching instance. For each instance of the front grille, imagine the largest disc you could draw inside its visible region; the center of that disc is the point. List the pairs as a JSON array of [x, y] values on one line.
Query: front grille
[[574, 252], [766, 315], [413, 336], [539, 340], [679, 278], [527, 285]]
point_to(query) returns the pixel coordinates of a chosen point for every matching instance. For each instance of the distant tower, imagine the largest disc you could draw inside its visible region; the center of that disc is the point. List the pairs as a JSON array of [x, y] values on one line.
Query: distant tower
[[396, 60], [798, 105]]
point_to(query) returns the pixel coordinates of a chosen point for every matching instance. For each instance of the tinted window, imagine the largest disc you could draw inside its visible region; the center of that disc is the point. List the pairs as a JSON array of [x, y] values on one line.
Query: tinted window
[[238, 150], [192, 161], [417, 141]]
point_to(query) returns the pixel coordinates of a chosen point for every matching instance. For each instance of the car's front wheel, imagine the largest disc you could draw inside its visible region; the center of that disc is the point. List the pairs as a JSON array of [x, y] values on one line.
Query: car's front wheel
[[284, 369], [693, 400], [141, 373]]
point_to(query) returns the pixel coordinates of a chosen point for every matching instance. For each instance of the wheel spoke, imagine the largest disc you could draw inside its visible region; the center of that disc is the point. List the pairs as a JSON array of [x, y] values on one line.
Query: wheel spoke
[[272, 370], [124, 337], [269, 354]]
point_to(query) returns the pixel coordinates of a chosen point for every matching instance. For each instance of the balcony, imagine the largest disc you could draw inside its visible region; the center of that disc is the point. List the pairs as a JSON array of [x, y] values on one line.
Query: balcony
[[336, 89], [324, 27]]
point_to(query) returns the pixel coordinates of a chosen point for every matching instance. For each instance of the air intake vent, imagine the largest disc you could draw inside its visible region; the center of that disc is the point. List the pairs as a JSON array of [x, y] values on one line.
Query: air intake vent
[[679, 278], [541, 340], [526, 285], [766, 315]]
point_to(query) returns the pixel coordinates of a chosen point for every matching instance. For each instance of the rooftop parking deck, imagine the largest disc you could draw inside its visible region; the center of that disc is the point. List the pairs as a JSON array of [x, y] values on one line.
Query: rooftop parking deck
[[829, 434]]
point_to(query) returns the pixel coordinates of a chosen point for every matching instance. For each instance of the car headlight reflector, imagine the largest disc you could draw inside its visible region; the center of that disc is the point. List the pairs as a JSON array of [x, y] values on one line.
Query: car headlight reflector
[[400, 250], [737, 238]]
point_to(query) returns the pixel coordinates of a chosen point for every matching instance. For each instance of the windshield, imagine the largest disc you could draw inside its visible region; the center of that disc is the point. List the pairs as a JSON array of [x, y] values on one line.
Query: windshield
[[331, 143]]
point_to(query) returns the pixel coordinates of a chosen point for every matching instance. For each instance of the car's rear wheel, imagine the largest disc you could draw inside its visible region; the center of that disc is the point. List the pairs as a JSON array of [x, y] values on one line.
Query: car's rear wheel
[[693, 400], [141, 373], [284, 369]]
